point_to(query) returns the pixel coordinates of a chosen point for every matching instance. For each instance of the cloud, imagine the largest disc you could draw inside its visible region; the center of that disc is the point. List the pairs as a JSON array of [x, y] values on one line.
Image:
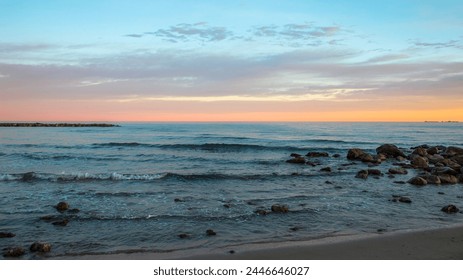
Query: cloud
[[388, 58], [185, 32], [439, 45], [18, 48], [295, 31], [134, 35]]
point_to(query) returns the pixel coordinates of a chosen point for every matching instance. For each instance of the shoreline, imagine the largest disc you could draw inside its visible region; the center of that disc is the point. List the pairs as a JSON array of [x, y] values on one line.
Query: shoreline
[[430, 244]]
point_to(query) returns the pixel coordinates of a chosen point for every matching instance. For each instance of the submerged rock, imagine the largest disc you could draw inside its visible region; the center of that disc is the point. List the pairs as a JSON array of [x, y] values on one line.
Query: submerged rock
[[398, 170], [403, 199], [450, 209], [40, 247], [317, 154], [14, 252], [261, 212], [390, 150], [326, 169], [297, 160], [362, 174], [210, 232], [280, 208], [62, 206], [61, 223], [375, 172], [184, 235], [417, 181], [7, 235]]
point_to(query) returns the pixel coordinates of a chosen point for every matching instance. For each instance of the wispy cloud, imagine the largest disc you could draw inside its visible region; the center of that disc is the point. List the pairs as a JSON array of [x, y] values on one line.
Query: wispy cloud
[[439, 45]]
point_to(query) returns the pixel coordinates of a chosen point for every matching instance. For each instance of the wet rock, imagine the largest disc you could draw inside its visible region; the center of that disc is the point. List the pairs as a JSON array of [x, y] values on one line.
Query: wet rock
[[312, 163], [403, 199], [432, 179], [336, 155], [297, 160], [399, 158], [317, 154], [398, 170], [400, 182], [40, 247], [450, 209], [328, 182], [420, 151], [178, 200], [435, 158], [417, 181], [448, 179], [73, 211], [450, 163], [227, 205], [326, 169], [458, 159], [440, 193], [444, 170], [294, 155], [390, 150], [362, 174], [355, 154], [375, 172], [184, 235], [261, 212], [14, 252], [29, 176], [460, 178], [280, 208], [419, 162], [433, 150], [294, 228], [61, 223], [210, 232], [453, 151], [62, 206], [231, 252], [7, 235]]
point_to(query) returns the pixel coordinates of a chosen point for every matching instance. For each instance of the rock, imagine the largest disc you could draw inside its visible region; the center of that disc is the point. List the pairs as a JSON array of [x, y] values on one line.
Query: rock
[[7, 235], [294, 155], [375, 172], [400, 182], [444, 170], [399, 158], [448, 179], [62, 206], [362, 174], [450, 209], [433, 150], [326, 169], [40, 247], [178, 200], [61, 223], [367, 158], [453, 151], [450, 163], [460, 178], [355, 154], [417, 181], [432, 179], [336, 155], [210, 232], [390, 150], [317, 154], [381, 157], [419, 162], [403, 199], [184, 235], [458, 159], [278, 208], [420, 151], [261, 212], [14, 252], [297, 160], [328, 182], [27, 177], [435, 158], [398, 170], [73, 211]]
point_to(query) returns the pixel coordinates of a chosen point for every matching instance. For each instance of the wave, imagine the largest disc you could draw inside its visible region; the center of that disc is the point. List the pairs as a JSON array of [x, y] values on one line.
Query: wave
[[85, 177], [40, 156]]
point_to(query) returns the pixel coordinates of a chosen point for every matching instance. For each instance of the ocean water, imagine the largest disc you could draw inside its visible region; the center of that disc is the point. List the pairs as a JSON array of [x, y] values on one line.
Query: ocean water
[[140, 185]]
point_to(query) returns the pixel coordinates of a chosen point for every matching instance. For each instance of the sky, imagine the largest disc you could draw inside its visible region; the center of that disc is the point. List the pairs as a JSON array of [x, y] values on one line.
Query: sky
[[80, 60]]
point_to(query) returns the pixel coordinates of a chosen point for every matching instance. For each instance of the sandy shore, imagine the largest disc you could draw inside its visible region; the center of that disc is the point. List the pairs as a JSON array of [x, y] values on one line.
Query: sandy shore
[[436, 244]]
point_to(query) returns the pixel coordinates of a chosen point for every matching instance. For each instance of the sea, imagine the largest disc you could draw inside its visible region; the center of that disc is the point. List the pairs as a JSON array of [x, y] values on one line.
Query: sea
[[158, 187]]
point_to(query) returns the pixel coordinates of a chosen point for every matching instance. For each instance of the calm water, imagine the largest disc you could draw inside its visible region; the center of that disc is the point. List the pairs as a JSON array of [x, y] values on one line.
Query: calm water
[[140, 185]]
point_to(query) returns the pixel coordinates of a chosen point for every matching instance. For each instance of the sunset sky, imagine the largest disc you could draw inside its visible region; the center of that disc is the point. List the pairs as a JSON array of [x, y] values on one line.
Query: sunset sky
[[80, 60]]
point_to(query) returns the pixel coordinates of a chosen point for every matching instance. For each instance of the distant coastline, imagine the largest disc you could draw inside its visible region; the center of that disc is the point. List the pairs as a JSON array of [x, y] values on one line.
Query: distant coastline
[[441, 121], [57, 125]]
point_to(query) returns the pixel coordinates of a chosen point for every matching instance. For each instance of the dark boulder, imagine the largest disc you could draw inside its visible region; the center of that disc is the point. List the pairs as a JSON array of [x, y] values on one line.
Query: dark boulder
[[375, 172], [432, 179], [294, 155], [29, 176], [184, 235], [40, 247], [419, 161], [261, 212], [433, 150], [336, 155], [403, 199], [14, 252], [397, 170], [210, 232], [420, 151], [362, 174], [326, 169], [317, 154], [450, 209], [7, 235], [417, 181], [390, 150], [448, 179], [62, 206], [458, 159], [297, 160], [280, 208], [355, 154], [453, 151]]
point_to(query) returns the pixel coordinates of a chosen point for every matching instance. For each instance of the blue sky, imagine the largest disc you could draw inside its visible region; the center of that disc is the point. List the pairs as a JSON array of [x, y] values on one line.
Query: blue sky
[[240, 55]]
